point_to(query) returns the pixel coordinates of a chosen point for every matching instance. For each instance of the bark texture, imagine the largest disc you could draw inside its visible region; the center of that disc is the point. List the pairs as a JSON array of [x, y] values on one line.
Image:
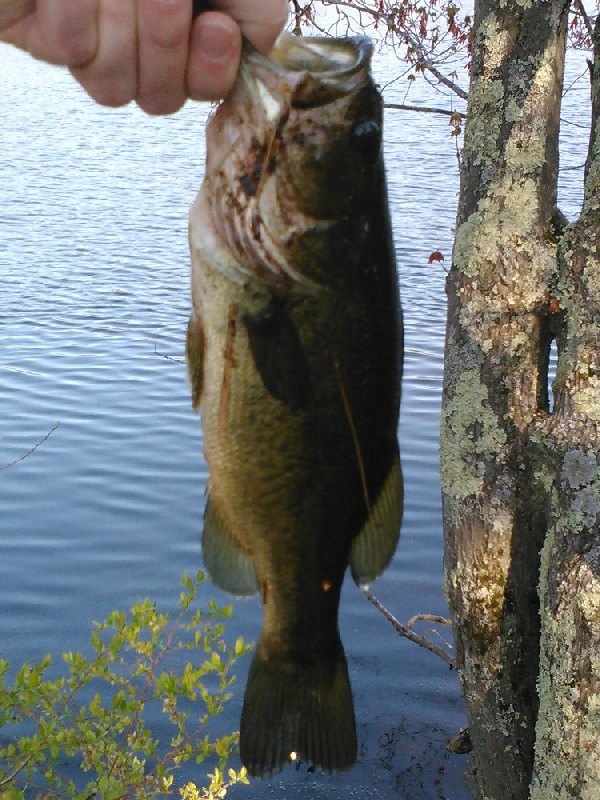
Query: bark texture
[[564, 467], [499, 289]]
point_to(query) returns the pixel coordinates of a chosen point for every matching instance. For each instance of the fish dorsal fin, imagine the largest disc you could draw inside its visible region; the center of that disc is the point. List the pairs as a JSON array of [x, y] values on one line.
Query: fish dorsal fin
[[373, 548], [228, 566], [194, 356]]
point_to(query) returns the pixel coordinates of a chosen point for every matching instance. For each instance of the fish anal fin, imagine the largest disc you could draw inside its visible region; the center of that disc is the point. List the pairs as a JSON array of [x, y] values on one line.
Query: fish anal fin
[[194, 355], [228, 566], [297, 710], [373, 548]]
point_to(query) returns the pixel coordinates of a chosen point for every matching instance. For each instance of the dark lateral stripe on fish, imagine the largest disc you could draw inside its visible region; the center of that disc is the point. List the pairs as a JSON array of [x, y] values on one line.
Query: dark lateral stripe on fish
[[298, 711]]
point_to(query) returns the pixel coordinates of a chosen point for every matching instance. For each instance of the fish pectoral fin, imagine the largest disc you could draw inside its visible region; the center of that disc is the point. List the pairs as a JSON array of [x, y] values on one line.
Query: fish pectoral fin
[[297, 710], [278, 354], [194, 356], [228, 566], [373, 548]]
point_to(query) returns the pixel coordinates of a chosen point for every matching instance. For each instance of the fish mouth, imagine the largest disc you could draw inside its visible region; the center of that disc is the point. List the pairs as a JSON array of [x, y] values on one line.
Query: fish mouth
[[245, 137], [317, 71]]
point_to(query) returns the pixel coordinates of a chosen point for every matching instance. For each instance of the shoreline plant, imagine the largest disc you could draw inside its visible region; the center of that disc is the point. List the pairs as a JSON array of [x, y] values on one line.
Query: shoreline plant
[[86, 733]]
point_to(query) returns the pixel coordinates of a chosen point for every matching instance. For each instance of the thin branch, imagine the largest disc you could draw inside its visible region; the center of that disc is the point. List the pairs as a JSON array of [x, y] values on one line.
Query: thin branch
[[421, 54], [578, 6], [169, 358], [35, 447], [297, 14], [574, 124], [443, 79], [572, 169], [10, 776], [427, 618], [403, 630], [423, 109]]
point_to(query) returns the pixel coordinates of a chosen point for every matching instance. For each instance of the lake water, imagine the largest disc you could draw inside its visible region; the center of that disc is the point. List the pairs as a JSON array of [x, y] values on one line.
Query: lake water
[[94, 280]]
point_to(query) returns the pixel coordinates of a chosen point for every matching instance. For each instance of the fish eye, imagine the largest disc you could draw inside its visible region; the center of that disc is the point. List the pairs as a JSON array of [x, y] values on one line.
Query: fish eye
[[366, 137]]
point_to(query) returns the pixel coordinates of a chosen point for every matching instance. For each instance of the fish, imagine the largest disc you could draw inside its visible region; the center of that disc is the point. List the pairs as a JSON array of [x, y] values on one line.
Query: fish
[[294, 351]]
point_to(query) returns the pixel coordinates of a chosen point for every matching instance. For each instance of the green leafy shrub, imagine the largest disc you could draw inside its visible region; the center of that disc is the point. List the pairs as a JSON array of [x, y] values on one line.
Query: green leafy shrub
[[95, 716]]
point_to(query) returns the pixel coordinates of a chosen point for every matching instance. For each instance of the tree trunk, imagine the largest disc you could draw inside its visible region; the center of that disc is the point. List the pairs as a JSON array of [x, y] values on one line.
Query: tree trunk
[[566, 478], [495, 385]]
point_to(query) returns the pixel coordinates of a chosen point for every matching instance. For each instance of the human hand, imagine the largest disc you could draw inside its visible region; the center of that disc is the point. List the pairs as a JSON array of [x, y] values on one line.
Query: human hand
[[145, 50]]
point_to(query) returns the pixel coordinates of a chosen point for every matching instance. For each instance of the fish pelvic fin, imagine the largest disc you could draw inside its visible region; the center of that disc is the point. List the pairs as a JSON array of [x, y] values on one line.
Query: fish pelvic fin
[[227, 564], [298, 710], [373, 548], [194, 356]]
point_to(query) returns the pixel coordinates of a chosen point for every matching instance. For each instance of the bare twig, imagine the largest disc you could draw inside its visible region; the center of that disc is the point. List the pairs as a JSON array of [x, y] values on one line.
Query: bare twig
[[298, 13], [423, 109], [443, 79], [403, 630], [572, 169], [169, 358], [427, 618], [10, 776], [422, 59], [35, 447], [578, 7]]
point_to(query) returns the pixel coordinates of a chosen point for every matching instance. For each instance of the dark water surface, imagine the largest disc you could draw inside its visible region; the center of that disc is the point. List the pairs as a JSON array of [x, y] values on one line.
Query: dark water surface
[[94, 274]]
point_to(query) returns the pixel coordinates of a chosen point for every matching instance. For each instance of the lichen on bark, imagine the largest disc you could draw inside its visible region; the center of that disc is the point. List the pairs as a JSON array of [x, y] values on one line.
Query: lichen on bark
[[466, 445], [565, 451], [495, 383]]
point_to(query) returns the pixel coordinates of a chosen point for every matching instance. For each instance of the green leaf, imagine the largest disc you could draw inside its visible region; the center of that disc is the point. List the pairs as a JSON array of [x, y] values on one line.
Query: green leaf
[[106, 734], [240, 646]]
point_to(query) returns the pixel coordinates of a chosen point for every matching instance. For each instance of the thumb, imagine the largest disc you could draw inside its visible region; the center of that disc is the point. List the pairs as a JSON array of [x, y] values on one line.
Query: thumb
[[261, 21], [215, 50]]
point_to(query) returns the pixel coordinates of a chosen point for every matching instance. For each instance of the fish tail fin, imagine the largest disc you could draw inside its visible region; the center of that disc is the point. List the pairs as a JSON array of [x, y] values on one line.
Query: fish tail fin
[[298, 710]]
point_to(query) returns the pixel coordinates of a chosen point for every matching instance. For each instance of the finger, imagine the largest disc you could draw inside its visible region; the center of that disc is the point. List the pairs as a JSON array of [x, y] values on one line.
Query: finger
[[12, 11], [215, 49], [69, 28], [58, 31], [163, 42], [111, 78], [261, 21]]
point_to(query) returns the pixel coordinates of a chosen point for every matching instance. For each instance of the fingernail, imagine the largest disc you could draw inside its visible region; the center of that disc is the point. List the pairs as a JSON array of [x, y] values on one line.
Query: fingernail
[[214, 40]]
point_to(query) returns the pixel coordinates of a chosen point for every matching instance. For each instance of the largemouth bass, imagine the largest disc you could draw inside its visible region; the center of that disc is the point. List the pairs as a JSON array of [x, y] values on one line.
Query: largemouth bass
[[294, 354]]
